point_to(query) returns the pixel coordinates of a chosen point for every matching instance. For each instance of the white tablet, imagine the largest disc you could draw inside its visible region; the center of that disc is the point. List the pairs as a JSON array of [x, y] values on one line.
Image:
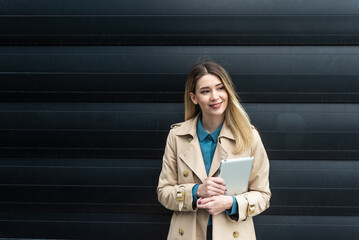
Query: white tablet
[[235, 172]]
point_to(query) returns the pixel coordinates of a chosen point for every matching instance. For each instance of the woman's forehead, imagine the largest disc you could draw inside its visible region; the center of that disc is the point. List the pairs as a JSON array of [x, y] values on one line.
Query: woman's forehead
[[208, 80]]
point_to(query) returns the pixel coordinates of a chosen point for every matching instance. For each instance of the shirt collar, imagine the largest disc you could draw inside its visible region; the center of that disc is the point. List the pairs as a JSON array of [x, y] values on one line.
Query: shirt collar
[[202, 134], [189, 127]]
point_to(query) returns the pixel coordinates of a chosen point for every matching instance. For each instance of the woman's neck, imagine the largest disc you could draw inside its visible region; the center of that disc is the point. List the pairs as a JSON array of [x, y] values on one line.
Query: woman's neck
[[211, 124]]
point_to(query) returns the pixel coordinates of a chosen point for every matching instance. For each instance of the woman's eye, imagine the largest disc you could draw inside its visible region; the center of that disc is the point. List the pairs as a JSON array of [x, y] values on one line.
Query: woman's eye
[[204, 92]]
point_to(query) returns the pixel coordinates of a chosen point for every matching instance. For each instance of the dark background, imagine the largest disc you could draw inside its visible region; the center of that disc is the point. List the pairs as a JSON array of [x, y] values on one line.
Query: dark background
[[88, 90]]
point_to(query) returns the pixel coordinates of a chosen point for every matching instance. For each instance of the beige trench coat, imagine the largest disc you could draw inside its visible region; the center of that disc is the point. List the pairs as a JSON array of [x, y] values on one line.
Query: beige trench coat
[[183, 167]]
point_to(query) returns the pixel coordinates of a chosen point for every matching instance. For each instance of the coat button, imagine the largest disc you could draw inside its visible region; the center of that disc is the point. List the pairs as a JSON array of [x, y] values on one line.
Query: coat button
[[235, 234], [181, 231], [185, 173]]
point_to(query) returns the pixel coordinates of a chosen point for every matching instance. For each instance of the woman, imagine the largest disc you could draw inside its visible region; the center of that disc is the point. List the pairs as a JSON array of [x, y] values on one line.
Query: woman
[[216, 128]]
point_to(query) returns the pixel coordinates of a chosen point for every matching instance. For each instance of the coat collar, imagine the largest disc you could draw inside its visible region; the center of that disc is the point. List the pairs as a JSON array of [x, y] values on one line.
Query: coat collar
[[226, 132], [192, 154], [189, 128]]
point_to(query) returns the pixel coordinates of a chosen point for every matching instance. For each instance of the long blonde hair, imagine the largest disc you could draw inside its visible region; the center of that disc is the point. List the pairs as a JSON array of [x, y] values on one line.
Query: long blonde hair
[[235, 116]]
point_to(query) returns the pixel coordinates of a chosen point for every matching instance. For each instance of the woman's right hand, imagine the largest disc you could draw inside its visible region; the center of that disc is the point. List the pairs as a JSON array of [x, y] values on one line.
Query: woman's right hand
[[212, 186]]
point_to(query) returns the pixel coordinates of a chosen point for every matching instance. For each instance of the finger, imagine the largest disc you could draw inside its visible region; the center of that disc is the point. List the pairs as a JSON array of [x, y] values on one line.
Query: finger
[[216, 193], [216, 184], [208, 206], [217, 187], [202, 206], [219, 190], [213, 191], [205, 201], [218, 180]]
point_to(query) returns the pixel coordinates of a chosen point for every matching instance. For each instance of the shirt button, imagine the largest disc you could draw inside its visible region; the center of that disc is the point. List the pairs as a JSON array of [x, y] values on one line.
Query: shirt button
[[181, 231], [185, 173], [235, 234]]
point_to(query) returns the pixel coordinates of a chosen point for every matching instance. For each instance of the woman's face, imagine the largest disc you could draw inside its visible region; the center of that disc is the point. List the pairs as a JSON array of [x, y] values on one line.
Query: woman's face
[[211, 96]]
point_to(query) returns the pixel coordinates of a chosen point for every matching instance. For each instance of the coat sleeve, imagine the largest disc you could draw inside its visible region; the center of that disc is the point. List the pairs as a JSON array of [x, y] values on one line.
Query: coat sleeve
[[169, 191], [256, 200]]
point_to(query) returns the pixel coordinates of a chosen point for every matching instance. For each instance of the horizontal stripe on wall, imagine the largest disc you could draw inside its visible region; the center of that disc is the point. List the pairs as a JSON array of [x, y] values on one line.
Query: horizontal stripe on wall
[[144, 200], [114, 185], [308, 118], [294, 60], [158, 7], [197, 26], [38, 140], [303, 227], [289, 131], [152, 74], [120, 172], [110, 226], [185, 23], [169, 87]]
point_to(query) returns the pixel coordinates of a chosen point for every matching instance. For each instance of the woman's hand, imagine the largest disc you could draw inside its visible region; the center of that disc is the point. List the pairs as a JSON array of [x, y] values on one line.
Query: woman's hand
[[213, 186], [216, 204]]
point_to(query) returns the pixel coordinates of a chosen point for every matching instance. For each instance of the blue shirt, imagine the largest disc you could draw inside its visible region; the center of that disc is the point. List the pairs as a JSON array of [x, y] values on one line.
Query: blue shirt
[[208, 144]]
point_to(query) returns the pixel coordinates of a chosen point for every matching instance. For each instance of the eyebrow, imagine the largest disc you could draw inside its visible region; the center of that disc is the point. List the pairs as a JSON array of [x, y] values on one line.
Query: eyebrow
[[208, 87]]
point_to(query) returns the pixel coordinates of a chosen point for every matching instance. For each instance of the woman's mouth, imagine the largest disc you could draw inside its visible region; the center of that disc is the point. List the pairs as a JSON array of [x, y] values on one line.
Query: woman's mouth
[[217, 105]]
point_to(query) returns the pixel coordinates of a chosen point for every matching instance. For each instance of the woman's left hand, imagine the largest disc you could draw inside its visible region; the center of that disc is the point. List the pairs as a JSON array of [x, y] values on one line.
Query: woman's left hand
[[216, 204]]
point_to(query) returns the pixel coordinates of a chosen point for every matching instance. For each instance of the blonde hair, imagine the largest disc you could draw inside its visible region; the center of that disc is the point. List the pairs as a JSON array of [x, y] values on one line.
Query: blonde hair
[[235, 116]]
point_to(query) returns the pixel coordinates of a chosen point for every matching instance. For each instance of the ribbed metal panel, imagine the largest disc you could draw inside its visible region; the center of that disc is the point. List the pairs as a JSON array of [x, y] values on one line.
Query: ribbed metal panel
[[179, 23], [88, 90], [157, 74]]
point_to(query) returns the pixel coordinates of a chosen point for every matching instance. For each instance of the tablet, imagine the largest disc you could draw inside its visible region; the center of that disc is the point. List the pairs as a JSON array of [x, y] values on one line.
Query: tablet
[[235, 172]]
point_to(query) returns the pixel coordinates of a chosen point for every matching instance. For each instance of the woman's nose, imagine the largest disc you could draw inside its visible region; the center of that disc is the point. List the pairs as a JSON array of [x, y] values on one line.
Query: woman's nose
[[214, 95]]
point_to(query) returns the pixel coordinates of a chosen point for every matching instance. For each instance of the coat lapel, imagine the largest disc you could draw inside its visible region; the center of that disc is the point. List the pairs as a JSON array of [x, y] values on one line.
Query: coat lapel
[[219, 155], [193, 158], [192, 154]]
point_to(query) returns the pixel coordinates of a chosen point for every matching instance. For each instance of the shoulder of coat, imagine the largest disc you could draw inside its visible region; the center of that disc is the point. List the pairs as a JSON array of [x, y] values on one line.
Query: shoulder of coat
[[184, 128], [254, 131], [176, 125]]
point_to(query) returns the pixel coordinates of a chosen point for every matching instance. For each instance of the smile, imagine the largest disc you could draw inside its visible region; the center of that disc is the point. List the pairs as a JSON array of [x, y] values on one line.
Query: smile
[[217, 105]]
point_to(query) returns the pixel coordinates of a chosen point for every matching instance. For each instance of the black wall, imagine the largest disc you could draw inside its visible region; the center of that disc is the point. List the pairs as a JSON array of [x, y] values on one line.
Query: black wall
[[88, 90]]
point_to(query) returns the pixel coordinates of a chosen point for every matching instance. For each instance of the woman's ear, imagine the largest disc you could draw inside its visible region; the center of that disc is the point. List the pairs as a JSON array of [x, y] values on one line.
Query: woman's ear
[[193, 98]]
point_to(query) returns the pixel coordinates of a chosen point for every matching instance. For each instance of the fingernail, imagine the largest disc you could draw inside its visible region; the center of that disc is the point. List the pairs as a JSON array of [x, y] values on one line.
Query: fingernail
[[199, 202]]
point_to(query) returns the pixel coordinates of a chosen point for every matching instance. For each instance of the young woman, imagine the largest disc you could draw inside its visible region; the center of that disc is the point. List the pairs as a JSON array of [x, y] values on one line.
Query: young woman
[[216, 128]]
